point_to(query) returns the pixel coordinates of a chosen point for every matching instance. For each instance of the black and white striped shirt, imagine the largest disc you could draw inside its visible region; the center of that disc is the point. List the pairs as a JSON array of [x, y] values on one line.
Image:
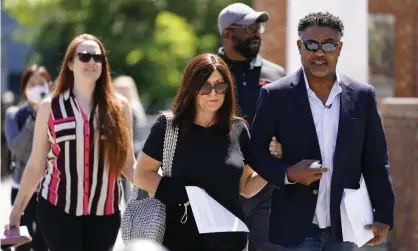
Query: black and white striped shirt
[[77, 180]]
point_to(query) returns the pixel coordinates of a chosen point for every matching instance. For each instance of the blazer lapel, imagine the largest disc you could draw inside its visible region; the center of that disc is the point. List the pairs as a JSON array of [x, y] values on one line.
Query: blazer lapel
[[343, 125], [303, 111]]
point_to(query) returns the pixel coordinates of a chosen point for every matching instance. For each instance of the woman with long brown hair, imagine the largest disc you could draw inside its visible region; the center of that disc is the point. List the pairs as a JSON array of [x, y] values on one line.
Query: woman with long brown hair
[[211, 153], [82, 144]]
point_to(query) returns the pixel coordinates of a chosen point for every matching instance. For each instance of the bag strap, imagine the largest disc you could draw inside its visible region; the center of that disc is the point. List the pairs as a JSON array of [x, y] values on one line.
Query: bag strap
[[169, 148], [170, 142]]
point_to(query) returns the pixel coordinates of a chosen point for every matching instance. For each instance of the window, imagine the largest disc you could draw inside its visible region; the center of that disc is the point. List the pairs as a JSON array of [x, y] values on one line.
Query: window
[[382, 53]]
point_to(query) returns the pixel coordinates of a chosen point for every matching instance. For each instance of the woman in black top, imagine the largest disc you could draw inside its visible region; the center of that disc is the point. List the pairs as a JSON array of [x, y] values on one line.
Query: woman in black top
[[211, 154]]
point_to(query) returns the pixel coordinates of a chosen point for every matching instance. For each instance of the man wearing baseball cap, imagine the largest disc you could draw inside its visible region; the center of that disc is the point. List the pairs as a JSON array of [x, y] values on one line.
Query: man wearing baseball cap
[[240, 28]]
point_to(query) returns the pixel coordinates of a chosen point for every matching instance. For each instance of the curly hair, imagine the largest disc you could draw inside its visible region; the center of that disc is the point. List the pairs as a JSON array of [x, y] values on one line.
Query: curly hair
[[321, 19]]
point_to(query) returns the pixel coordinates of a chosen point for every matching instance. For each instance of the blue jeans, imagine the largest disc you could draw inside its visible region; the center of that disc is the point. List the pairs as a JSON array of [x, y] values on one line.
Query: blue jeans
[[323, 241]]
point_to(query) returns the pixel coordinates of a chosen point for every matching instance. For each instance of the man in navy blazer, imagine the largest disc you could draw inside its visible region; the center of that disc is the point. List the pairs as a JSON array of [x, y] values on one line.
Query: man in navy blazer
[[319, 115]]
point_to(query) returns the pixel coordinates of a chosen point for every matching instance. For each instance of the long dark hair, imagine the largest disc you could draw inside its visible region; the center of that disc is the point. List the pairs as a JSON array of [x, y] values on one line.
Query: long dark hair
[[111, 120], [196, 73]]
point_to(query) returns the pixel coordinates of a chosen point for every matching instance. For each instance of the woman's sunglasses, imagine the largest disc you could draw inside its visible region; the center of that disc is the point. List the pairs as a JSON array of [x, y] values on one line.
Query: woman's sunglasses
[[326, 47], [85, 57], [220, 88]]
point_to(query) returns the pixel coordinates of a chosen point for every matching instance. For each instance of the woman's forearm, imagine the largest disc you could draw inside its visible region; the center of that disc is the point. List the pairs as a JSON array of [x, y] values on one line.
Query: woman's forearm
[[30, 180], [128, 171], [147, 181], [253, 185]]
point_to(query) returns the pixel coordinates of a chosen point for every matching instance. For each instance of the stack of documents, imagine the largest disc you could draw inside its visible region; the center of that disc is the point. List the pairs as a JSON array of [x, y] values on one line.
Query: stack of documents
[[210, 216], [356, 213]]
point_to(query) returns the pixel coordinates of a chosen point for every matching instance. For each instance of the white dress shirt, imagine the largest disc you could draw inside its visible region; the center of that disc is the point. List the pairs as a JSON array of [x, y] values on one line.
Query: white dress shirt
[[326, 118]]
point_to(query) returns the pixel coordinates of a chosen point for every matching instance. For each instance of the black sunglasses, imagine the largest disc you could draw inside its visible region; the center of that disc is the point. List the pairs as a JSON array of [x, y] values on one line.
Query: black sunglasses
[[220, 88], [85, 57], [252, 28], [326, 47]]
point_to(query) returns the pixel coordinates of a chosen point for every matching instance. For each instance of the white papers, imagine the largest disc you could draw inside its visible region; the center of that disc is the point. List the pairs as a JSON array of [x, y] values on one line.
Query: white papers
[[315, 165], [356, 213], [210, 216]]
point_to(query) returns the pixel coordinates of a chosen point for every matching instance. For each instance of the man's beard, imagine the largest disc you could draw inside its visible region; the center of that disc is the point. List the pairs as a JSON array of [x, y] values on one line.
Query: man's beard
[[246, 48]]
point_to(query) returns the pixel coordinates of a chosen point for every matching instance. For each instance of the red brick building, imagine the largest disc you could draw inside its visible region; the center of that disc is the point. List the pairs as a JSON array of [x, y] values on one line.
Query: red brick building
[[406, 41]]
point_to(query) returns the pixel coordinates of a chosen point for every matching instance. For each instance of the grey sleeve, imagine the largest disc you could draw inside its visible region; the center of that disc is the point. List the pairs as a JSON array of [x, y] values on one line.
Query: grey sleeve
[[272, 71], [281, 72], [19, 142]]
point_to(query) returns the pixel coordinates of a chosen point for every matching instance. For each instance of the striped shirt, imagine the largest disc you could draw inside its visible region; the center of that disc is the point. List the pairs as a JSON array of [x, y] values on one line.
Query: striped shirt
[[76, 179]]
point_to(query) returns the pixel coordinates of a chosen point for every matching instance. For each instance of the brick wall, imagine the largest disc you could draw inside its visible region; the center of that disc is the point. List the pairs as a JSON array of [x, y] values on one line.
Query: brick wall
[[406, 51], [273, 46], [400, 120]]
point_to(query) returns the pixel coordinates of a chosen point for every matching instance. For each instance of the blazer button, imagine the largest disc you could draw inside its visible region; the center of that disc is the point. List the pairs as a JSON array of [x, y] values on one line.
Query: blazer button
[[315, 192]]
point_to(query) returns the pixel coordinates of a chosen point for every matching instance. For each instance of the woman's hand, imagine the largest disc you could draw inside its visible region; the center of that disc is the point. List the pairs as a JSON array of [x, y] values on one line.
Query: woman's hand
[[14, 221], [276, 148]]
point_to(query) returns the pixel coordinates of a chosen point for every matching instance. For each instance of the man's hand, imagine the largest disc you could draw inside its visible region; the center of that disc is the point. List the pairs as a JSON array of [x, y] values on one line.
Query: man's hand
[[302, 174], [380, 231]]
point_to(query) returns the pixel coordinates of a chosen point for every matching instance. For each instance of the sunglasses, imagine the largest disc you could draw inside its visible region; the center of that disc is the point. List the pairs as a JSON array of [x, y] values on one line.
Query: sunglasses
[[252, 28], [220, 88], [326, 47], [85, 57]]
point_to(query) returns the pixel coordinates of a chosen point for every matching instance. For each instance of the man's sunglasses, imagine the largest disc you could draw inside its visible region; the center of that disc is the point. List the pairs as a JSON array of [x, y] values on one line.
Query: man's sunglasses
[[85, 57], [220, 88], [252, 28], [326, 47]]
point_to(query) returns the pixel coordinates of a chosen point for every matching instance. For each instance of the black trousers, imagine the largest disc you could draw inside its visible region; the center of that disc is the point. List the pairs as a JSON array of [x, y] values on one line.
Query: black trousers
[[65, 232], [257, 211], [29, 220]]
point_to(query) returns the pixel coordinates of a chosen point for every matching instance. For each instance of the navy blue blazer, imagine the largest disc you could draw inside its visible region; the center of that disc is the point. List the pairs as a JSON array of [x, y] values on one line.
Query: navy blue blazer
[[284, 111]]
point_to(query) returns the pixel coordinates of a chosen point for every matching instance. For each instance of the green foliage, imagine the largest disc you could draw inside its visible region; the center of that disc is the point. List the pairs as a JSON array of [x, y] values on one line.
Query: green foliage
[[150, 40]]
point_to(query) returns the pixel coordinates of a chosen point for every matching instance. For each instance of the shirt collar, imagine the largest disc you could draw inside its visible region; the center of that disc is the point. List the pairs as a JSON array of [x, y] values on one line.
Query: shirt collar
[[337, 82], [67, 94], [335, 91], [256, 62]]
